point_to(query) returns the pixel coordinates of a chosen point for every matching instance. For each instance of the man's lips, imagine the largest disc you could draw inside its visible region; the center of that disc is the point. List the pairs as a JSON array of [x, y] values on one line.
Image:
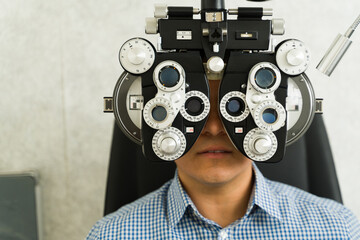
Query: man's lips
[[215, 150]]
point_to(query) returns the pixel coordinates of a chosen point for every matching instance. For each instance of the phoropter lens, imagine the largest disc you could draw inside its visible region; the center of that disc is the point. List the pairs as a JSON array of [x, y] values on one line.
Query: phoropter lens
[[235, 106], [194, 106], [169, 76], [269, 115], [159, 113], [265, 78]]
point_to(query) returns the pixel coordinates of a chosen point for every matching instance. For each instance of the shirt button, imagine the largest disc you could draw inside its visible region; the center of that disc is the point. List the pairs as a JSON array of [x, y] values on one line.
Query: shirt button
[[223, 235]]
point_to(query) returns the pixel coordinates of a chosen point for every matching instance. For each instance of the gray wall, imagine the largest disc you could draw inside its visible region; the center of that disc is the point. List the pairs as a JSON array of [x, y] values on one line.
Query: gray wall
[[59, 58]]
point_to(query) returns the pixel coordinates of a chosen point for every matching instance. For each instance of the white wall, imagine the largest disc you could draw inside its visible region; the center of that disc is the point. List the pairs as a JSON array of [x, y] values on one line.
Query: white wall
[[59, 58]]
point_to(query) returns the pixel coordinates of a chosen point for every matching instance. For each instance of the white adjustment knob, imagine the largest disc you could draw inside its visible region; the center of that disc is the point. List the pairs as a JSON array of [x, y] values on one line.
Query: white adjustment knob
[[278, 26], [151, 26], [256, 98], [168, 146], [295, 57], [136, 56], [160, 10], [215, 64], [262, 145], [216, 48], [175, 97]]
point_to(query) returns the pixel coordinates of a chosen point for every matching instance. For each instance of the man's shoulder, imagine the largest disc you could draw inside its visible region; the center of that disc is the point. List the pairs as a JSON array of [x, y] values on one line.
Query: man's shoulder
[[144, 212], [311, 211], [285, 193], [151, 202]]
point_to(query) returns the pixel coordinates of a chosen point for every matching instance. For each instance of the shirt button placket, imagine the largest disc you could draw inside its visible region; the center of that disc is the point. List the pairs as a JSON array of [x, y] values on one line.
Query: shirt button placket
[[223, 235]]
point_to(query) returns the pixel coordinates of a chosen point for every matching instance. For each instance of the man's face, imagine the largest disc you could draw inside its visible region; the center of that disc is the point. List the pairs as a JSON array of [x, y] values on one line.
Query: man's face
[[213, 159]]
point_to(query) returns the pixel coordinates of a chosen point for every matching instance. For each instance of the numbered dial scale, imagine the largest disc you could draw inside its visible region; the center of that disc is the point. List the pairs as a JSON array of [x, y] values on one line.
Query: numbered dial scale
[[196, 106], [260, 145], [158, 113], [169, 144], [293, 57], [137, 55]]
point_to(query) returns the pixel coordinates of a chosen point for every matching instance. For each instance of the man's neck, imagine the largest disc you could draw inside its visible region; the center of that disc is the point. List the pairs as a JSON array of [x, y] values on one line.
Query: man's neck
[[222, 203]]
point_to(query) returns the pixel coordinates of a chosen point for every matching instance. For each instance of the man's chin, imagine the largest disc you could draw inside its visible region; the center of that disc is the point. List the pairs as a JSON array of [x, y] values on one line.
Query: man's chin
[[218, 177]]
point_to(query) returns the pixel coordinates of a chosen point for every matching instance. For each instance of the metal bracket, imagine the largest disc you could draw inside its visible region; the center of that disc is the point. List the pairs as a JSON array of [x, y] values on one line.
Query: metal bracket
[[108, 105], [319, 106], [214, 16]]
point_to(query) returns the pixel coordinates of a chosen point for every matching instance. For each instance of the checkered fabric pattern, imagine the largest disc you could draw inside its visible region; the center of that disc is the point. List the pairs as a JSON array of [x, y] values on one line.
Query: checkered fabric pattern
[[275, 211]]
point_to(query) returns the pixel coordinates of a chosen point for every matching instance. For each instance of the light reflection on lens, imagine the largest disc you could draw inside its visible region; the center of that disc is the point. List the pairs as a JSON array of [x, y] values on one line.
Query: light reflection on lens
[[269, 116], [265, 78]]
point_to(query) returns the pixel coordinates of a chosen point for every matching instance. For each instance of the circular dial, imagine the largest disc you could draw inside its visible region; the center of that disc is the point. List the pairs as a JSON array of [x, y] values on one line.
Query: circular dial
[[260, 145], [215, 64], [169, 76], [169, 144], [158, 113], [233, 106], [265, 77], [300, 107], [137, 55], [269, 115], [196, 106], [293, 57]]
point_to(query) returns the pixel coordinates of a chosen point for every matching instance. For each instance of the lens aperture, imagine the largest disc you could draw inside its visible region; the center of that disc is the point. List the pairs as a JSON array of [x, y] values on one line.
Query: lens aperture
[[270, 116], [169, 76], [235, 106], [265, 78], [194, 106], [159, 113]]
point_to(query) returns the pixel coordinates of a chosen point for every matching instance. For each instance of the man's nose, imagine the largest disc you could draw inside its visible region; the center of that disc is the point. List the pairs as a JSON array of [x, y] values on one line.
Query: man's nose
[[214, 125]]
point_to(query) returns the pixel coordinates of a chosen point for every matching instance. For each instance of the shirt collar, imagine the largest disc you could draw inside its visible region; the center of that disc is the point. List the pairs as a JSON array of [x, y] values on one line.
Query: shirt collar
[[262, 196], [177, 201]]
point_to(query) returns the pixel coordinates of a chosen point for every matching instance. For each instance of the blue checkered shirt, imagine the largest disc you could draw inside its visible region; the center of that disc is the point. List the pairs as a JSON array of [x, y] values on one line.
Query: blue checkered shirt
[[275, 211]]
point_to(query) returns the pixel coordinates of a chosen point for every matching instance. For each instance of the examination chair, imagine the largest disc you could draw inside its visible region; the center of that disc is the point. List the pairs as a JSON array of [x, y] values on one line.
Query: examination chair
[[308, 164]]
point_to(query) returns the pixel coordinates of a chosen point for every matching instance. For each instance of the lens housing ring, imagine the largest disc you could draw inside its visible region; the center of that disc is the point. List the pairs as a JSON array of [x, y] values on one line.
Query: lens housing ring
[[250, 140], [165, 64], [204, 113], [265, 65], [177, 137], [226, 98], [270, 104], [149, 119]]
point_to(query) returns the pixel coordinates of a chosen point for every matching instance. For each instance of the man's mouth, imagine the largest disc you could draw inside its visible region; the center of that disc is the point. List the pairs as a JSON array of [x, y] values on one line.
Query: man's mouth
[[215, 152]]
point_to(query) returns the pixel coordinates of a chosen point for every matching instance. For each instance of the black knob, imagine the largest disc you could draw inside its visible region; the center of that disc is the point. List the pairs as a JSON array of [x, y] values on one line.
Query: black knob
[[212, 5]]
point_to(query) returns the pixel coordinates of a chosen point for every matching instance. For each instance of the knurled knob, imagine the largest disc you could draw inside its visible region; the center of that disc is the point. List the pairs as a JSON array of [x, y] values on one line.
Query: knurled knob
[[161, 10], [151, 26], [278, 26], [262, 145], [168, 145], [215, 64], [295, 57], [136, 56]]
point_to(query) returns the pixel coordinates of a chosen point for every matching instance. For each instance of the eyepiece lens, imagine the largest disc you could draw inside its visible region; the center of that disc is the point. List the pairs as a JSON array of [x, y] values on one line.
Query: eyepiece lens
[[159, 113], [265, 78], [169, 76], [194, 106], [269, 115], [235, 106]]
